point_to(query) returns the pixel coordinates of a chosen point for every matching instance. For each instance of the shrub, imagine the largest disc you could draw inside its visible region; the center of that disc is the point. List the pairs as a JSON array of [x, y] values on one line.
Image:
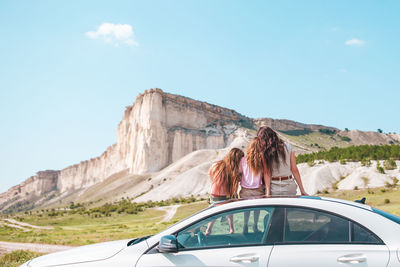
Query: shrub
[[379, 168], [366, 162], [388, 185], [387, 201], [356, 188], [344, 138], [327, 131], [343, 161], [389, 164], [311, 163]]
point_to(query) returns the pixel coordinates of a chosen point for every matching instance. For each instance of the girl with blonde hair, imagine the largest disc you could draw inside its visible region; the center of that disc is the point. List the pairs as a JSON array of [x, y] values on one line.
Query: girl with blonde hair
[[253, 181], [225, 176]]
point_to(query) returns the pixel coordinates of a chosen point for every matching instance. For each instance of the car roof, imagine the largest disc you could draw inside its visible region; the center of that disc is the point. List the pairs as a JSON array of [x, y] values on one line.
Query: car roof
[[340, 201]]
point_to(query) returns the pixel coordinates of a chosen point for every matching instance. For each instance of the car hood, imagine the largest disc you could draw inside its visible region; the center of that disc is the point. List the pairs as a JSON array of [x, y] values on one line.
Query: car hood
[[95, 252]]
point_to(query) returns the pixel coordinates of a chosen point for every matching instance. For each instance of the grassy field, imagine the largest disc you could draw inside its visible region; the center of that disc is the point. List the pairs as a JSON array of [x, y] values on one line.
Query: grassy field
[[16, 258], [387, 199], [76, 229], [316, 141]]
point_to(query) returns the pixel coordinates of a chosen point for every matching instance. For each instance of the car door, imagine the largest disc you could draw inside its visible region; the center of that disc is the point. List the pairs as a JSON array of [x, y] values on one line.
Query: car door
[[209, 242], [315, 238]]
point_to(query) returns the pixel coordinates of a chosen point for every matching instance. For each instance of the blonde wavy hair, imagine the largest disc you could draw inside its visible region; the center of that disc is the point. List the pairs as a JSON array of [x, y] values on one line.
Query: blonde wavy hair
[[254, 155], [226, 173]]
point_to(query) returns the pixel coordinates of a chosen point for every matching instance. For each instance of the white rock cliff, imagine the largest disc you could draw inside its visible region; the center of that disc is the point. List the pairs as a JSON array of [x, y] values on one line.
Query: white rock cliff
[[158, 130]]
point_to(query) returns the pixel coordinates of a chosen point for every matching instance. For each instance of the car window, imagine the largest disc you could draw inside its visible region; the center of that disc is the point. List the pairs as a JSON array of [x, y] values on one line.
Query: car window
[[228, 229], [312, 226], [363, 235]]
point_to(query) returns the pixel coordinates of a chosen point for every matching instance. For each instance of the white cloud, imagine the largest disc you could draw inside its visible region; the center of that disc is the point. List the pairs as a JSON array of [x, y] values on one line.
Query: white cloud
[[115, 34], [354, 42]]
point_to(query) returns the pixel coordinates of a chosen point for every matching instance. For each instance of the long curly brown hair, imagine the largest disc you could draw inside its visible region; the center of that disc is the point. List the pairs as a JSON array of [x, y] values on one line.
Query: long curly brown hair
[[225, 173], [273, 146], [253, 155]]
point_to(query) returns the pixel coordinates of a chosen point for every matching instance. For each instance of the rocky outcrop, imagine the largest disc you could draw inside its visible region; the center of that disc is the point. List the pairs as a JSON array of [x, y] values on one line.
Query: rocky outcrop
[[34, 187], [157, 130], [288, 125]]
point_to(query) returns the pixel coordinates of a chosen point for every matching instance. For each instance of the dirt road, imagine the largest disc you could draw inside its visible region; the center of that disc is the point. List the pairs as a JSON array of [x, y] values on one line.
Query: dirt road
[[6, 247], [170, 212]]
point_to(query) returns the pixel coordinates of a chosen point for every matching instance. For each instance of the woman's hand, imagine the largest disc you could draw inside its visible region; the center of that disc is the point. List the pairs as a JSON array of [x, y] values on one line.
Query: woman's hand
[[303, 193]]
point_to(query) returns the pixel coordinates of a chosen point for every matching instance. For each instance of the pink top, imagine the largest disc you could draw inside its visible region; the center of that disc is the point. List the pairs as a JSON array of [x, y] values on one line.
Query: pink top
[[216, 189], [249, 179]]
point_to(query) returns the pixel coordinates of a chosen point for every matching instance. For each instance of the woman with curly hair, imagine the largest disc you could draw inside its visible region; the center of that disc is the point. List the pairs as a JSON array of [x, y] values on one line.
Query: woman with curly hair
[[281, 169], [225, 176]]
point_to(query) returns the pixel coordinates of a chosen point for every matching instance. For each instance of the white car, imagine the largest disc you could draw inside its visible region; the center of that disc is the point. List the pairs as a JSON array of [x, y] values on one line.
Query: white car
[[300, 231]]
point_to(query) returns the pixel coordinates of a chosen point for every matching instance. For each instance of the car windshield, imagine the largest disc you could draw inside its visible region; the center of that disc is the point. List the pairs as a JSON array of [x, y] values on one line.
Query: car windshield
[[387, 215]]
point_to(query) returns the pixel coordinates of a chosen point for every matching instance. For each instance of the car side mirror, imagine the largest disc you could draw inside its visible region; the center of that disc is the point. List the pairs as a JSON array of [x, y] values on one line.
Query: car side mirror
[[168, 244]]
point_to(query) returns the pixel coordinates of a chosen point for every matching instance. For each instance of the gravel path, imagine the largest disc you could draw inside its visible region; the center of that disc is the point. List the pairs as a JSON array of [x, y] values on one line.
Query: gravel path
[[15, 226], [170, 212], [6, 247], [12, 221]]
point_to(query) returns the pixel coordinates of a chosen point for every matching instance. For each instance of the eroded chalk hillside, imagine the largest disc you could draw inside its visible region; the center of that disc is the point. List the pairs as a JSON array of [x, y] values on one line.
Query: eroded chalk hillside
[[165, 144], [333, 176]]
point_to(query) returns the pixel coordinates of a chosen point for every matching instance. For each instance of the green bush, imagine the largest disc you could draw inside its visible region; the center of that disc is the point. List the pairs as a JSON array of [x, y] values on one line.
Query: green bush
[[389, 164], [344, 138], [327, 131], [366, 162], [379, 168], [311, 163], [387, 201]]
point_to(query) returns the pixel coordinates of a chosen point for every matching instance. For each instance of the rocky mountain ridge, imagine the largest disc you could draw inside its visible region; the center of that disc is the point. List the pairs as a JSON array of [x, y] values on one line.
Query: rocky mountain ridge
[[158, 131]]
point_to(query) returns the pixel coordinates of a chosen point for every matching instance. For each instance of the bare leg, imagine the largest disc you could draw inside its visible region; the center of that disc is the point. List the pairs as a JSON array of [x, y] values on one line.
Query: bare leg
[[246, 222], [209, 227], [256, 216], [230, 222]]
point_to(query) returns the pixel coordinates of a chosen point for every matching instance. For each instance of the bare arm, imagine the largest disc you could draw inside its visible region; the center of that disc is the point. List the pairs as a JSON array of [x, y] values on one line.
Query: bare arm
[[267, 177], [296, 174]]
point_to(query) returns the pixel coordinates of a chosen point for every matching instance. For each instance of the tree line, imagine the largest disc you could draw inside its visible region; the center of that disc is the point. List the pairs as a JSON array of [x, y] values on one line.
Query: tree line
[[354, 153]]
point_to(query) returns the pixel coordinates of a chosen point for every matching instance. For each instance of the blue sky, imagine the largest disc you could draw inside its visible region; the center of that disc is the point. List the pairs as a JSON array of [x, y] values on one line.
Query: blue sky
[[65, 80]]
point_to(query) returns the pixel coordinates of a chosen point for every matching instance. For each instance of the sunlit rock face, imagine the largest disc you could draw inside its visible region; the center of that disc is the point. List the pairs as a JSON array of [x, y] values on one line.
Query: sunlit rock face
[[160, 128], [157, 130], [32, 188]]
